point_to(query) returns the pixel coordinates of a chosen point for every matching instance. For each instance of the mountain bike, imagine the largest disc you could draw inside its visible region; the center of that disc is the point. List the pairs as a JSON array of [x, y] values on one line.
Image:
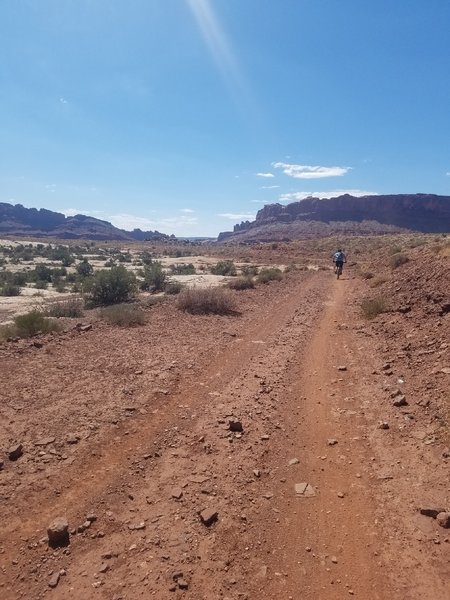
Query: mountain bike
[[339, 267]]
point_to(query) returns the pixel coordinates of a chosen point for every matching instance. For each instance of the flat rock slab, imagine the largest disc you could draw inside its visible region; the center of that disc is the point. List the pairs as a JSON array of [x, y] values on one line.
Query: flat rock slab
[[305, 490], [45, 441], [197, 479]]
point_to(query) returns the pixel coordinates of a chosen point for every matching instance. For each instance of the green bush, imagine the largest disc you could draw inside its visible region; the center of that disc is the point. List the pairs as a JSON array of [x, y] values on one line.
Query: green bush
[[269, 274], [184, 269], [241, 283], [72, 307], [41, 284], [123, 315], [224, 267], [154, 277], [397, 260], [371, 307], [200, 301], [84, 269], [249, 270], [173, 288], [9, 289], [33, 323], [111, 286]]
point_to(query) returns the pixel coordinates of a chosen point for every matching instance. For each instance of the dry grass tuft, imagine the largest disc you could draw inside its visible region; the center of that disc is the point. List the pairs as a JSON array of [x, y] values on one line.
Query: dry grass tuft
[[123, 315], [202, 301]]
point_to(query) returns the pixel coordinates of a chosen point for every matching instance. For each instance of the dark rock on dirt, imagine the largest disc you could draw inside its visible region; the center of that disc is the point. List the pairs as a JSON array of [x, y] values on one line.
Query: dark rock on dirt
[[209, 516], [443, 518], [15, 452], [58, 533]]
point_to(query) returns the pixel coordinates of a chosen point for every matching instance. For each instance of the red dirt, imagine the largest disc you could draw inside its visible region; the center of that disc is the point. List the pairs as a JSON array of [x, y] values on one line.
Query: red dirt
[[151, 406]]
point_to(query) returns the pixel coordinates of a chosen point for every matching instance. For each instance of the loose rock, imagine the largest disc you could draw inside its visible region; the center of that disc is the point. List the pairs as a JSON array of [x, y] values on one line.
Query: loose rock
[[431, 512], [443, 518], [15, 452], [208, 516], [235, 425], [54, 580], [400, 401], [58, 533]]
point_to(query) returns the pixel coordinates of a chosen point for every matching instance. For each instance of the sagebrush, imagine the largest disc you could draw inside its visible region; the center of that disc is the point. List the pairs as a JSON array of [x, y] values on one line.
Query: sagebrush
[[200, 301]]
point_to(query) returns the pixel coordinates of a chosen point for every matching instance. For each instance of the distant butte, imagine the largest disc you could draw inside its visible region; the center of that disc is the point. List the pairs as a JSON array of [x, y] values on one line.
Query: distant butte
[[346, 214]]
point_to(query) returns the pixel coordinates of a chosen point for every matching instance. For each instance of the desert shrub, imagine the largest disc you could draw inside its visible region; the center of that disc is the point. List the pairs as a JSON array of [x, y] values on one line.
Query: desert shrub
[[184, 269], [270, 274], [397, 260], [123, 315], [154, 277], [395, 249], [377, 281], [84, 268], [224, 267], [111, 286], [42, 273], [241, 283], [172, 288], [33, 323], [249, 270], [72, 307], [371, 307], [41, 284], [110, 263], [9, 289], [200, 301]]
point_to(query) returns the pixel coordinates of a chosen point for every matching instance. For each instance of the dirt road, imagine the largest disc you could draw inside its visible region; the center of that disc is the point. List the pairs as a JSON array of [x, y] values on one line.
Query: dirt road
[[295, 371]]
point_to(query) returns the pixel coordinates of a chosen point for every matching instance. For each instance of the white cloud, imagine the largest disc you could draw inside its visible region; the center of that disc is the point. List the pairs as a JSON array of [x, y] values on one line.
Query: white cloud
[[448, 173], [63, 100], [187, 210], [265, 175], [296, 196], [237, 216], [165, 224], [310, 172], [71, 212], [269, 187]]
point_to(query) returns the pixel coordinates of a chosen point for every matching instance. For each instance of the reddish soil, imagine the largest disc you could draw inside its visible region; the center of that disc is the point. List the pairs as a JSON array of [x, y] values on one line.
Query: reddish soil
[[151, 408]]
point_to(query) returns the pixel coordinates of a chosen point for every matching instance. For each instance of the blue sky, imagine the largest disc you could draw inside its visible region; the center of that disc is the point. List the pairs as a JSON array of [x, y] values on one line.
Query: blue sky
[[189, 115]]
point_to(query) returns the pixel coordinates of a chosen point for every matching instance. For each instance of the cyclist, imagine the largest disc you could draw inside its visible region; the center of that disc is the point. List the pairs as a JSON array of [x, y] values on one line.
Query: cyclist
[[339, 259]]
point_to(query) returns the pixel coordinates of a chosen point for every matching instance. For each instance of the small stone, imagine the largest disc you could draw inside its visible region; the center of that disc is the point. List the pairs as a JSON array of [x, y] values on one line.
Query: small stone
[[446, 370], [443, 518], [400, 401], [177, 493], [332, 442], [431, 512], [342, 368], [383, 425], [91, 517], [257, 473], [183, 584], [293, 461], [235, 425], [341, 495], [58, 533], [304, 490], [54, 580], [137, 527], [103, 568], [45, 441], [73, 439], [15, 452], [334, 560], [265, 437], [2, 464], [208, 516]]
